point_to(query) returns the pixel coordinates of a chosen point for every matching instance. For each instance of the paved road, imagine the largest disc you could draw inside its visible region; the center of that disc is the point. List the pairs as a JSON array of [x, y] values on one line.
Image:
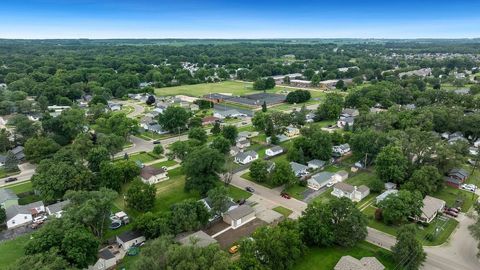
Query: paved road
[[270, 195], [458, 254], [138, 109], [26, 172]]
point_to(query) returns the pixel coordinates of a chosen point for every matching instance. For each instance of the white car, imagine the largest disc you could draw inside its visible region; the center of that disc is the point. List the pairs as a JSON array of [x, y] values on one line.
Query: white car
[[469, 187], [39, 219]]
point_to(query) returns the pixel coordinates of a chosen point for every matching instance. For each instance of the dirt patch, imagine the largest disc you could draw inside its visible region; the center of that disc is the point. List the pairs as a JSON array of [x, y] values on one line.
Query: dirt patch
[[215, 228], [231, 236]]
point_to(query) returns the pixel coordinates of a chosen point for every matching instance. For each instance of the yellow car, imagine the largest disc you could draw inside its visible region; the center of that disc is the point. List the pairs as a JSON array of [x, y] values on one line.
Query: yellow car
[[234, 249]]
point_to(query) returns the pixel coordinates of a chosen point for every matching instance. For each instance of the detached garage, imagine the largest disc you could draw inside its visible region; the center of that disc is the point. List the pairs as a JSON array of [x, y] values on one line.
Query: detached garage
[[239, 216]]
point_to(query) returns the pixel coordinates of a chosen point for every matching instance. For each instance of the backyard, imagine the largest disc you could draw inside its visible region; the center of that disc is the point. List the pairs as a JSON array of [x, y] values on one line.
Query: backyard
[[233, 87]]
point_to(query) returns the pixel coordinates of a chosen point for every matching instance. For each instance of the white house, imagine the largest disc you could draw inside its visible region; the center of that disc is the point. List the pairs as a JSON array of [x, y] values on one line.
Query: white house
[[320, 180], [431, 207], [341, 149], [385, 194], [129, 239], [340, 176], [246, 157], [316, 164], [239, 216], [228, 113], [292, 131], [18, 215], [243, 144], [152, 175], [354, 193], [276, 150], [56, 209], [298, 169], [106, 260]]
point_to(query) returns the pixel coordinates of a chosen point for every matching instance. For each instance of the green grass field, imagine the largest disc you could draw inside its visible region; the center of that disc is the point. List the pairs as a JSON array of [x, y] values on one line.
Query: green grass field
[[236, 88], [282, 210], [144, 157], [167, 163], [21, 187], [327, 258], [12, 250], [450, 195]]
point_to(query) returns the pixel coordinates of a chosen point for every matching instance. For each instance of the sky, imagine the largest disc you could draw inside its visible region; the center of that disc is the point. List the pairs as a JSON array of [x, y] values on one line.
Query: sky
[[39, 19]]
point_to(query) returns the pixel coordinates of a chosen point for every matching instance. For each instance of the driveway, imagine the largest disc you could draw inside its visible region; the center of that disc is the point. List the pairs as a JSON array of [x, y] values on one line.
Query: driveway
[[26, 172], [138, 109], [270, 196]]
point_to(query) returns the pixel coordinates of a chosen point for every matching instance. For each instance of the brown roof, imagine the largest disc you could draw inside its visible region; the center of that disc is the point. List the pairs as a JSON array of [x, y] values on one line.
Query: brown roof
[[344, 187], [149, 171], [210, 119]]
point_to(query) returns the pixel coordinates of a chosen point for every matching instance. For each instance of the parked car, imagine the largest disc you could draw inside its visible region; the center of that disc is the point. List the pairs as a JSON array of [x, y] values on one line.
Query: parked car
[[241, 201], [453, 210], [469, 187], [11, 179], [285, 195], [451, 213], [157, 142], [250, 189], [39, 219], [234, 249]]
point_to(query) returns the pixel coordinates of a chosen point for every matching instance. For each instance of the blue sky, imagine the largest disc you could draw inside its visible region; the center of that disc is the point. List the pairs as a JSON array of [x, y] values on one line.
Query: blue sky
[[239, 19]]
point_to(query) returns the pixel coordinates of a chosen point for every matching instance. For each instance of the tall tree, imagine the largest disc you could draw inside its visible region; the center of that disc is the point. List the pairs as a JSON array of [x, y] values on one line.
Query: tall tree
[[230, 133], [174, 119], [258, 170], [331, 108], [427, 180], [39, 148], [11, 162], [391, 164], [283, 174], [216, 129], [219, 199], [141, 196], [188, 215], [96, 156], [199, 134], [397, 208], [202, 167], [221, 144], [408, 251]]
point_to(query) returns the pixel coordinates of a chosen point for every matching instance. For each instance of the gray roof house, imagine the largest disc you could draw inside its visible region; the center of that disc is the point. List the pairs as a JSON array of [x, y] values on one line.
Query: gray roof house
[[385, 194], [198, 239], [246, 157], [56, 209], [299, 169], [18, 152], [8, 198], [366, 263], [320, 180], [130, 238], [316, 164], [239, 216]]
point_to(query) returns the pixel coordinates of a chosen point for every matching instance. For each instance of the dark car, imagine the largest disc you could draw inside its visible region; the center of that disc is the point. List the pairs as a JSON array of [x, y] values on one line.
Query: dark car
[[451, 209], [285, 195], [11, 179], [250, 189], [157, 142], [451, 213], [241, 202]]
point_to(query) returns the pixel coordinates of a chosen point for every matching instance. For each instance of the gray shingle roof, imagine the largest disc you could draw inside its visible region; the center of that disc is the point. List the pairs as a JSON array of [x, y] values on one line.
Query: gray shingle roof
[[7, 194], [57, 207], [244, 155], [129, 235], [240, 212], [297, 167], [22, 209]]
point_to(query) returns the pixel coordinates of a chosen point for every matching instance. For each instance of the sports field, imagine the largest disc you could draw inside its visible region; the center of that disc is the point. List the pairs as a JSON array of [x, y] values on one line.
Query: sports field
[[196, 90]]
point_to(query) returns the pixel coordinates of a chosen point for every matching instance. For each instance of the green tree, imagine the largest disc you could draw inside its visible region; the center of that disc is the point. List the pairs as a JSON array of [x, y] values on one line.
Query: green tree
[[141, 196], [276, 247], [49, 260], [408, 251], [397, 208], [427, 180], [158, 149], [3, 215], [219, 199], [96, 156], [264, 106], [474, 228], [11, 162], [216, 129], [258, 170], [199, 134], [259, 121], [152, 225], [230, 133], [179, 149], [391, 164], [336, 222], [40, 148], [195, 122], [174, 119], [82, 144], [188, 215], [112, 142], [283, 174], [202, 167], [221, 144], [331, 108], [91, 208], [5, 143]]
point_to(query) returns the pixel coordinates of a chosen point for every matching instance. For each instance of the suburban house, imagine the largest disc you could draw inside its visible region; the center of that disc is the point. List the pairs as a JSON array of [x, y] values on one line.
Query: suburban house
[[18, 152], [248, 134], [385, 194], [197, 239], [431, 207], [234, 151], [106, 260], [239, 216], [320, 180], [156, 128], [300, 170], [152, 175], [341, 176], [390, 185], [366, 263], [246, 157], [310, 117], [210, 120], [292, 131], [273, 151], [208, 205], [228, 114], [354, 193], [456, 177], [114, 106], [7, 198], [18, 215], [129, 239], [56, 209], [280, 137], [423, 72], [350, 112], [341, 149], [316, 164], [347, 117], [243, 144]]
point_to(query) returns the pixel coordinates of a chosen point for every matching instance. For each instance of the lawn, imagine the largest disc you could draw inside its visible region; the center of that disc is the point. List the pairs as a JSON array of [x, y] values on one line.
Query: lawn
[[166, 163], [148, 135], [144, 157], [233, 87], [248, 177], [450, 195], [282, 210], [21, 187], [12, 250], [327, 258], [445, 228], [296, 191], [3, 173]]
